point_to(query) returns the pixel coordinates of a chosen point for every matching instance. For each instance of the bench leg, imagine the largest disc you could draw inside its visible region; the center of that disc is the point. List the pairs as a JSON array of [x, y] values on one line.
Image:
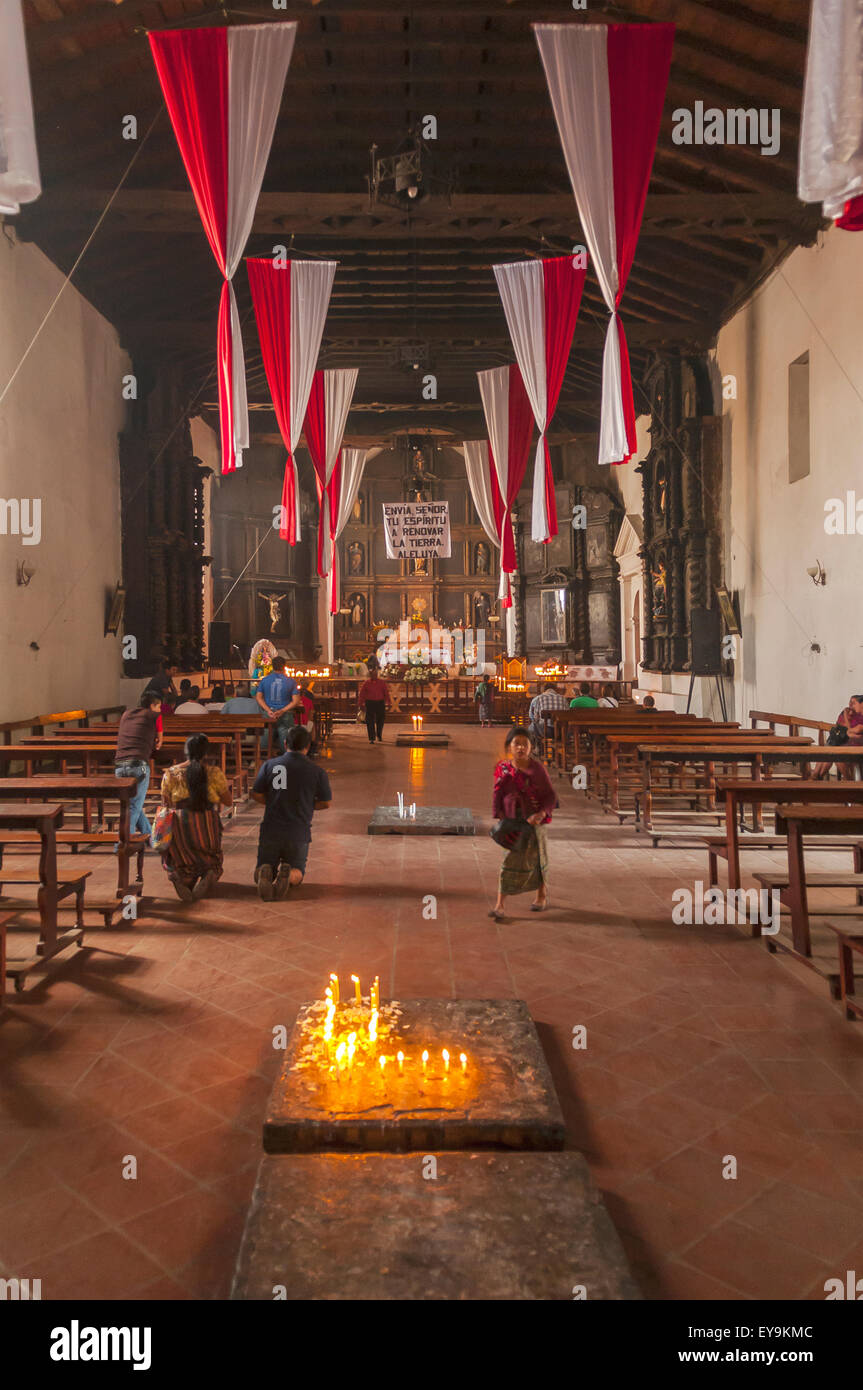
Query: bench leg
[[712, 868], [846, 975]]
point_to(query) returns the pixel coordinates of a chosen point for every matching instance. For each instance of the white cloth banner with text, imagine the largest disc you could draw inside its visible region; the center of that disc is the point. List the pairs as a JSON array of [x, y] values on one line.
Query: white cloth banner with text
[[417, 528]]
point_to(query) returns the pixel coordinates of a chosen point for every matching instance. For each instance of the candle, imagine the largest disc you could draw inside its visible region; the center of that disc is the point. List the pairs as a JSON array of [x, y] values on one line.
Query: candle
[[373, 1026], [463, 1060], [425, 1060], [356, 980], [334, 981], [445, 1056], [352, 1043], [375, 993], [382, 1061], [400, 1058]]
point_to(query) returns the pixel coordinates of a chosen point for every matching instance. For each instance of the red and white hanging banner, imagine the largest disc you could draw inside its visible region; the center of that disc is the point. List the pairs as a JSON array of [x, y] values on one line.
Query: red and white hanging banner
[[223, 89], [485, 491], [509, 421], [831, 131], [290, 300], [326, 417], [342, 492], [607, 85], [541, 301]]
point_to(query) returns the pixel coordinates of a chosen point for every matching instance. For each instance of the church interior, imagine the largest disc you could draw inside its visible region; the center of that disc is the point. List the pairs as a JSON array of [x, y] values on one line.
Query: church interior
[[437, 425]]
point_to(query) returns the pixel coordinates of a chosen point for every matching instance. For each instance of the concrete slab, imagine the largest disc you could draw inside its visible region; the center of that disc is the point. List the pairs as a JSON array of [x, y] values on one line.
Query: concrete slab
[[430, 820], [426, 740], [372, 1226], [504, 1098]]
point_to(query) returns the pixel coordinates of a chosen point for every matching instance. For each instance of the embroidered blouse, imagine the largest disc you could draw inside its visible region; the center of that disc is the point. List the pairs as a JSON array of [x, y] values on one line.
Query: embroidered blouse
[[175, 788], [520, 794]]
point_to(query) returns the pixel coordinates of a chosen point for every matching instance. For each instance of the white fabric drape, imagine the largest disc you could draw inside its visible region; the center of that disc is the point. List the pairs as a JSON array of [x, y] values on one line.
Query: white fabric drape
[[19, 162], [258, 59], [831, 132], [352, 467], [522, 293], [477, 464], [575, 58], [339, 385], [311, 286], [494, 390]]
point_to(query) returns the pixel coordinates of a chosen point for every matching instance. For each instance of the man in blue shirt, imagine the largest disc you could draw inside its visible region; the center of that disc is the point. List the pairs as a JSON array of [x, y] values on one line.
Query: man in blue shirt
[[278, 695], [242, 702], [292, 789]]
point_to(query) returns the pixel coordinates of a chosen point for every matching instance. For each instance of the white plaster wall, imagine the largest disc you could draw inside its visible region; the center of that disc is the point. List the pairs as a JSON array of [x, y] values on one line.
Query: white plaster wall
[[59, 423], [775, 529]]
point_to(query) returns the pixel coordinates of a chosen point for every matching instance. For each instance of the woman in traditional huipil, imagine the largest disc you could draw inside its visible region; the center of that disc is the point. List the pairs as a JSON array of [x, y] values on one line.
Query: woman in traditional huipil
[[523, 792], [195, 790]]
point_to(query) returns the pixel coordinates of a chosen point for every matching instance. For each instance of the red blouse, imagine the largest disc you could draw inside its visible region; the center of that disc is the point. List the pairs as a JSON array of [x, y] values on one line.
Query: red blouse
[[518, 795]]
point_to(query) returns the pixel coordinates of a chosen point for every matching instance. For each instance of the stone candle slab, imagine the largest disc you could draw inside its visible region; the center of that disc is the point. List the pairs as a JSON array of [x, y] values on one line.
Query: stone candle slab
[[423, 740], [504, 1099], [430, 820], [371, 1226]]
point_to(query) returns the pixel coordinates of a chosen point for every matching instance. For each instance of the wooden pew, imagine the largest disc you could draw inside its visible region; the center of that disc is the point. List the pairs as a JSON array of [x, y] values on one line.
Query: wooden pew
[[574, 729], [102, 788], [734, 795], [617, 769], [798, 821], [794, 723], [745, 751], [44, 821]]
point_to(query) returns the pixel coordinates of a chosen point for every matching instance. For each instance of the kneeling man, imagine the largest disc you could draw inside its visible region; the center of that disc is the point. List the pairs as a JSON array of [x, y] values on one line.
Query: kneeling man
[[291, 789]]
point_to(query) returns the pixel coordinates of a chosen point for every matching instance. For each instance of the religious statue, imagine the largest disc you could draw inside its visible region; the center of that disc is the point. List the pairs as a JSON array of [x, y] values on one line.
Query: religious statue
[[660, 591], [357, 606], [356, 557], [419, 608], [275, 602], [481, 609], [482, 558], [419, 565], [357, 513]]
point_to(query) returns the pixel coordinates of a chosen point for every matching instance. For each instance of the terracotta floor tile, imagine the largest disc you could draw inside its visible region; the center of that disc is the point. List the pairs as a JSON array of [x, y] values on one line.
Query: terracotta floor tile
[[38, 1224], [815, 1223], [758, 1265], [200, 1226]]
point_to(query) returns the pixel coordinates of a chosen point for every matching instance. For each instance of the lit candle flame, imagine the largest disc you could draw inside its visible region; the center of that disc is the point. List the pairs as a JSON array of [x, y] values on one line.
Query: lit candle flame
[[340, 1054], [373, 1026], [425, 1059], [445, 1056], [375, 993], [400, 1058], [463, 1060], [334, 981], [356, 980], [382, 1061]]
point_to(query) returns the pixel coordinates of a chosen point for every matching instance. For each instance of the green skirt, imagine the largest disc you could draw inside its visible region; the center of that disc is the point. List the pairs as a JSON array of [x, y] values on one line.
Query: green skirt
[[525, 870]]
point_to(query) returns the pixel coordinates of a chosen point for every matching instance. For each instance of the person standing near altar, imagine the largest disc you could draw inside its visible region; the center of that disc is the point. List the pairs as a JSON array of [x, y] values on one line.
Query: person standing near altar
[[374, 700]]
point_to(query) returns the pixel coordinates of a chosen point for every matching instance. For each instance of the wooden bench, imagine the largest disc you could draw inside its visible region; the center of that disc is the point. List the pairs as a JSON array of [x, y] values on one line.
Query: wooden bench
[[848, 944], [4, 918], [44, 820], [797, 821], [794, 723], [744, 751]]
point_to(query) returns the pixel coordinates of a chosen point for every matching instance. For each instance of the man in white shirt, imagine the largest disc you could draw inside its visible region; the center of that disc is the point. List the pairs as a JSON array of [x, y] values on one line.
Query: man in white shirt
[[540, 706], [193, 704]]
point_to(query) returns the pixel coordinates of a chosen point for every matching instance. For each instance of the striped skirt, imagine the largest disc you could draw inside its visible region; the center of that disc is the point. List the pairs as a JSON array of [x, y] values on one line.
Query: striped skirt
[[525, 870], [196, 844]]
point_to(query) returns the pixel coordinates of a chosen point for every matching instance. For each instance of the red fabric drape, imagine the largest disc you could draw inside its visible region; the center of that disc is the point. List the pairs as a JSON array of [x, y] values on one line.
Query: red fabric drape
[[192, 66], [334, 493], [316, 440], [639, 61], [520, 432], [271, 297], [852, 216], [563, 284]]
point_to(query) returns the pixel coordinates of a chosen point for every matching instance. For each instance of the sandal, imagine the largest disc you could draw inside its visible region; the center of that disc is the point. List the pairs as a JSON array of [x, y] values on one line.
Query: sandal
[[539, 907], [495, 915]]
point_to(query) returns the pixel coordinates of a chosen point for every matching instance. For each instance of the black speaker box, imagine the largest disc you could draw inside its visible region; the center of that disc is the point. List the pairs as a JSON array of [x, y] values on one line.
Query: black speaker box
[[219, 644], [706, 642]]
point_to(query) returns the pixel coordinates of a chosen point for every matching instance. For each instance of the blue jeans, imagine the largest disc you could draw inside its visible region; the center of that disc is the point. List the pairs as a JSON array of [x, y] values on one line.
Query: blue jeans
[[284, 722], [136, 767]]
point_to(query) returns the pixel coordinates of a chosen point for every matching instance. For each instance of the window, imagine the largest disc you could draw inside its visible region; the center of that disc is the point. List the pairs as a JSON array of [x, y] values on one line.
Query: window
[[798, 419]]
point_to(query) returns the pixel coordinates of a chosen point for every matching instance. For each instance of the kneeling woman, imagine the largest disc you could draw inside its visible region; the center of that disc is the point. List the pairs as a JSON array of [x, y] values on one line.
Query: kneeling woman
[[195, 791], [522, 791]]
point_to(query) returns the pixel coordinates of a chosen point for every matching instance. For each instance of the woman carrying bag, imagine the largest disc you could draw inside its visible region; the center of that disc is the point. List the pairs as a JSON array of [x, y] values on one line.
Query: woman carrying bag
[[523, 802], [192, 838]]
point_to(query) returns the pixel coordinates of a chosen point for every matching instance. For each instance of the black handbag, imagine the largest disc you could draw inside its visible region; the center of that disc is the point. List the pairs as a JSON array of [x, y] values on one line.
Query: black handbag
[[837, 736], [510, 833]]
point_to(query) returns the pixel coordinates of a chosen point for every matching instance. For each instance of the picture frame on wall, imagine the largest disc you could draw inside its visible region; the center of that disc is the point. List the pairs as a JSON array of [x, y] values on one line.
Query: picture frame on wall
[[552, 613], [728, 611], [115, 611]]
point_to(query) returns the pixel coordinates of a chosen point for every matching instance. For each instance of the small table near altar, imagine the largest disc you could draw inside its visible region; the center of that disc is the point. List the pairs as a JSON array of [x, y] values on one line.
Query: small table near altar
[[422, 738]]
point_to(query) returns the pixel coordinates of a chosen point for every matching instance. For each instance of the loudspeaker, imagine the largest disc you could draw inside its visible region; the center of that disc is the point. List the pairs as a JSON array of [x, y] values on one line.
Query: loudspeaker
[[706, 642], [219, 644]]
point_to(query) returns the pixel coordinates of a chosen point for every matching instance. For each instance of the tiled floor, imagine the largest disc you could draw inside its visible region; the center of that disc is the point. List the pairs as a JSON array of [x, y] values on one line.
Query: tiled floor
[[154, 1047]]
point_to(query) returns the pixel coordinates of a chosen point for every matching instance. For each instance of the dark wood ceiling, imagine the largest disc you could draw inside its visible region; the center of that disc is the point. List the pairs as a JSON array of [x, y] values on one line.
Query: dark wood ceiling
[[718, 218]]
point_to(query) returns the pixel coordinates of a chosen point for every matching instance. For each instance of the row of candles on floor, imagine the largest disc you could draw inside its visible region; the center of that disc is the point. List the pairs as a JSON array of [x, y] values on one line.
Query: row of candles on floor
[[341, 1055], [417, 723], [406, 812]]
